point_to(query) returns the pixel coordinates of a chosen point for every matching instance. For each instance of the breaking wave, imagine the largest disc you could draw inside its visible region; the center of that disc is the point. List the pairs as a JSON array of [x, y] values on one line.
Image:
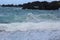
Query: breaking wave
[[25, 26], [13, 19]]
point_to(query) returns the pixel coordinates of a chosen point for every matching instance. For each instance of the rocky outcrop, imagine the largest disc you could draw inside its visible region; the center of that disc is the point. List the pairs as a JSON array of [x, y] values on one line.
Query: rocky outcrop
[[42, 5], [54, 5], [11, 5]]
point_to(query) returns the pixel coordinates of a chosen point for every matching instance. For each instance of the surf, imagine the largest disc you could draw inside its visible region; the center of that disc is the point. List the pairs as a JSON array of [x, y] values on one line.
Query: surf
[[26, 26]]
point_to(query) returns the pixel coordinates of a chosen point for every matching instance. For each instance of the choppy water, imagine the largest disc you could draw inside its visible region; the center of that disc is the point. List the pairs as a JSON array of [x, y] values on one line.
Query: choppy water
[[20, 24]]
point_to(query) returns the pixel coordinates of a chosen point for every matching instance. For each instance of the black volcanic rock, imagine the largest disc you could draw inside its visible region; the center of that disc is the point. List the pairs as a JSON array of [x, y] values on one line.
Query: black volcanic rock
[[42, 5]]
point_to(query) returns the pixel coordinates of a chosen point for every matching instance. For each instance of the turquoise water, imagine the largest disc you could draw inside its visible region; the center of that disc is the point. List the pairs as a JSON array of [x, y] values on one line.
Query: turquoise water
[[8, 15], [24, 24]]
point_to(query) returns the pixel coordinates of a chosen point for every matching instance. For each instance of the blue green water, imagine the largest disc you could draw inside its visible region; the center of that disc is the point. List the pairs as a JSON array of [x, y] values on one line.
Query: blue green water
[[24, 24], [19, 15]]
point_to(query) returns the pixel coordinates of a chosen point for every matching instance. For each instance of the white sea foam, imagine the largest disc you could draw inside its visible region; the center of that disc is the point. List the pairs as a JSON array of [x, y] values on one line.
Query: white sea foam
[[25, 26]]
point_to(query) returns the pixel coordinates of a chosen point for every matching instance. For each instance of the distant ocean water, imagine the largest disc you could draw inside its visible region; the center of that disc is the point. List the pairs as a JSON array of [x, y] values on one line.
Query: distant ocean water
[[24, 24]]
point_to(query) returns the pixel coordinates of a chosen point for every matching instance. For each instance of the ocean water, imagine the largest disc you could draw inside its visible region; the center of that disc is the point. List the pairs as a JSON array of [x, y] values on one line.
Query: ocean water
[[24, 24]]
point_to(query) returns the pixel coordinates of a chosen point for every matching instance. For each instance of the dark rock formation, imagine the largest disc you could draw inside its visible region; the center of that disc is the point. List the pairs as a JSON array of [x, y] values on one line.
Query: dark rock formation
[[54, 5], [11, 5], [42, 5]]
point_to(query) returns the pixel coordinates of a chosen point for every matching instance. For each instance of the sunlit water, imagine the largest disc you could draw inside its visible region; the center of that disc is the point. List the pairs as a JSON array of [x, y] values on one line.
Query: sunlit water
[[20, 24]]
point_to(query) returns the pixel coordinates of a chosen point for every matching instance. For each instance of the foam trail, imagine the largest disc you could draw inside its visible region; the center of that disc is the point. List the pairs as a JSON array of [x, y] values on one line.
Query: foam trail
[[25, 26]]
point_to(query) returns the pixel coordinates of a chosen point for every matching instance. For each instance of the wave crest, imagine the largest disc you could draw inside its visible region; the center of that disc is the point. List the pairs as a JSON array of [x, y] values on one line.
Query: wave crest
[[26, 26]]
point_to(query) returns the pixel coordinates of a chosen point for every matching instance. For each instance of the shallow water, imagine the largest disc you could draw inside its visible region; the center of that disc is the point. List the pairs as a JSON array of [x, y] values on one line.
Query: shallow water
[[20, 24]]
